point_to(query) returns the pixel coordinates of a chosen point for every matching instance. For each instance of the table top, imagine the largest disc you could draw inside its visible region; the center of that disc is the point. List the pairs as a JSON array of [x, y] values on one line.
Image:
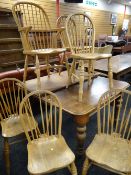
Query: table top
[[119, 63], [69, 96]]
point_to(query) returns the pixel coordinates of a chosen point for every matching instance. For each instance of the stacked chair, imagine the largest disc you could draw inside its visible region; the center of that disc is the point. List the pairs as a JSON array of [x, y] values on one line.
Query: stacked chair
[[38, 38], [81, 37]]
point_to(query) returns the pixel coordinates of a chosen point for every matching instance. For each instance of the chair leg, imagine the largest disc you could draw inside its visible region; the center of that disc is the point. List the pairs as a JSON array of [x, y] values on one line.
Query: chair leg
[[70, 73], [73, 169], [7, 155], [25, 68], [110, 75], [89, 72], [37, 71], [85, 166], [81, 79], [48, 66]]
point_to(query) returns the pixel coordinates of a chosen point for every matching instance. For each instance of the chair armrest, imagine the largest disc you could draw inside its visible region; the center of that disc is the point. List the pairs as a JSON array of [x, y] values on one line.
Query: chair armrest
[[25, 29], [49, 30]]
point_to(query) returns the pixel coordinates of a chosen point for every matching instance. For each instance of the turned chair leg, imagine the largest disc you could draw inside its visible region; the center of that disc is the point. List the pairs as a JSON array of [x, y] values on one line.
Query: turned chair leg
[[37, 71], [7, 155], [70, 73], [81, 79], [85, 166], [25, 69], [110, 74], [73, 169], [90, 68]]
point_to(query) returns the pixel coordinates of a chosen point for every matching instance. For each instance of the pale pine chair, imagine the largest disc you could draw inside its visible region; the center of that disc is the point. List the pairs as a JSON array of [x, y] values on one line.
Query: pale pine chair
[[11, 93], [47, 149], [61, 21], [111, 147], [38, 38], [81, 37]]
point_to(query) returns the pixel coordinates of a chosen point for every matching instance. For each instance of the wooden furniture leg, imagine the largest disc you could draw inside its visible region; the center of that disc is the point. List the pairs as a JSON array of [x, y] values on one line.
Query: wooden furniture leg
[[81, 79], [25, 68], [85, 166], [90, 72], [6, 155], [110, 74], [73, 169], [37, 71], [81, 121], [70, 73]]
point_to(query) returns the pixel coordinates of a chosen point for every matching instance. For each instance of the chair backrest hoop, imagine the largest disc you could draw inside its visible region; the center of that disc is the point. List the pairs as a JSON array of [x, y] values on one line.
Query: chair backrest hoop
[[50, 114], [80, 33], [114, 113], [12, 91]]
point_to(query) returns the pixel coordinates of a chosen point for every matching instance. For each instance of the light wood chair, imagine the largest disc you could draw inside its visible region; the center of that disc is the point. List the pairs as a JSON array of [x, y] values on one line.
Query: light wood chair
[[47, 149], [61, 21], [11, 93], [81, 36], [38, 38], [111, 147]]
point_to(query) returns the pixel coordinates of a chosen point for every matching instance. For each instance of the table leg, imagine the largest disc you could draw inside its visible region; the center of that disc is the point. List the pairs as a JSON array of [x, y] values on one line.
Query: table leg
[[81, 122]]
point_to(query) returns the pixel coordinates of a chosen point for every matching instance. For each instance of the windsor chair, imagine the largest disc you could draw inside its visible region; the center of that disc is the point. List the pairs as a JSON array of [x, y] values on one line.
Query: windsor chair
[[38, 38], [11, 93], [81, 37], [111, 147], [47, 149]]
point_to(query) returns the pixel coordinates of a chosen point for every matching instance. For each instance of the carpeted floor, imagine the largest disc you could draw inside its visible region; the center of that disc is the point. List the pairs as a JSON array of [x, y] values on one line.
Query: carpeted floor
[[19, 152]]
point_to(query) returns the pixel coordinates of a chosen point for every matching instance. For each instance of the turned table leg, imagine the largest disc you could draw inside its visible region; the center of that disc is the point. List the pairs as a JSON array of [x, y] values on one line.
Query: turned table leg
[[81, 122], [7, 156]]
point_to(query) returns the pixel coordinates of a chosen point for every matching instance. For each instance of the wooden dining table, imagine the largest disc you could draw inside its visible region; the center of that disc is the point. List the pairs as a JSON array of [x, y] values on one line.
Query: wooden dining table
[[121, 65], [80, 111]]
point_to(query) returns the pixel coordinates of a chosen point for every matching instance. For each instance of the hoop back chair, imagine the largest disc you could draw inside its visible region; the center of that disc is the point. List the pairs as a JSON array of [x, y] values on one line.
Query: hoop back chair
[[11, 93], [81, 37], [61, 21], [47, 149], [38, 38], [111, 147]]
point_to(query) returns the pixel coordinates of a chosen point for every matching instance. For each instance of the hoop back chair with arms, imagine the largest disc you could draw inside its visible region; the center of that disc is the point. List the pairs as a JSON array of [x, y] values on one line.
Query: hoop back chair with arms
[[81, 37], [111, 147], [38, 38], [47, 149], [11, 93]]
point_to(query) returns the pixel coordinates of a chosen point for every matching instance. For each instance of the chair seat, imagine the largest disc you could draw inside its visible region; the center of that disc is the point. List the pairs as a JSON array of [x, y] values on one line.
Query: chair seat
[[48, 154], [45, 51], [12, 126], [111, 152], [90, 56]]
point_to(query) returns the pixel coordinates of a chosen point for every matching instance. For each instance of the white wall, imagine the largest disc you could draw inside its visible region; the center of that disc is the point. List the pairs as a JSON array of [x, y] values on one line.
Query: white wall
[[103, 5]]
